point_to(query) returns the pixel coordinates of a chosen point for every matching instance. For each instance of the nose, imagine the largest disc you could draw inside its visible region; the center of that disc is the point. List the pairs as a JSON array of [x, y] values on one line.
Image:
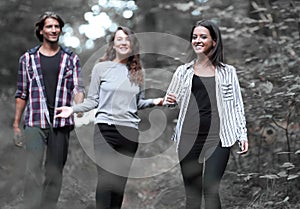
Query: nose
[[54, 29], [198, 39], [123, 41]]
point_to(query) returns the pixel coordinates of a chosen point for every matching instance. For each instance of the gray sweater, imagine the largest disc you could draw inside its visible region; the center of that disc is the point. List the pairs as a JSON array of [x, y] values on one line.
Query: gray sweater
[[117, 99]]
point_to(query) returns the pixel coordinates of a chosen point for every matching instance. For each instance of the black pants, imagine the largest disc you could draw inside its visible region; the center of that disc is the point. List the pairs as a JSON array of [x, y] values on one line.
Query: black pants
[[195, 181], [39, 194], [115, 147]]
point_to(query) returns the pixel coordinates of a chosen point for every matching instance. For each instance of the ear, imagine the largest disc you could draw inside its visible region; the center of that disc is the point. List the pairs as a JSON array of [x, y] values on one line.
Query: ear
[[214, 43]]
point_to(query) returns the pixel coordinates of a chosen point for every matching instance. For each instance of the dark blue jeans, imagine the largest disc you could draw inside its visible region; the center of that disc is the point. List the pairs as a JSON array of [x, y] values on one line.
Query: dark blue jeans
[[43, 183], [115, 147]]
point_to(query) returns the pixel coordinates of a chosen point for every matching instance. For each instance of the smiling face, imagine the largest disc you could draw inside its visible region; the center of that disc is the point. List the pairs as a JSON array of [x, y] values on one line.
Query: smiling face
[[202, 41], [122, 45], [51, 30]]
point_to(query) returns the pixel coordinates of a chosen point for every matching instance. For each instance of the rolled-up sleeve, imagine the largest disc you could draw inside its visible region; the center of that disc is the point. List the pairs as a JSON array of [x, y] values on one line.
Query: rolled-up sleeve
[[77, 77], [22, 90]]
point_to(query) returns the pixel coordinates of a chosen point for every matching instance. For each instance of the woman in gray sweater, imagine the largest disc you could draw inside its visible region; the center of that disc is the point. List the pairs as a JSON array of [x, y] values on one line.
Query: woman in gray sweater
[[116, 90]]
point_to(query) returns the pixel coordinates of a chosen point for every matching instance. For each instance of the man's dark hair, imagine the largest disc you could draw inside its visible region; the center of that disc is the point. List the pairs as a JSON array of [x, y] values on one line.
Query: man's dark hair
[[41, 22]]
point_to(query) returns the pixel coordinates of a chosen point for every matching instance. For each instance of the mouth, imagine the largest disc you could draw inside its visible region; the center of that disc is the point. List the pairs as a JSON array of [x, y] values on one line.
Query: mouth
[[53, 36], [124, 49], [198, 46]]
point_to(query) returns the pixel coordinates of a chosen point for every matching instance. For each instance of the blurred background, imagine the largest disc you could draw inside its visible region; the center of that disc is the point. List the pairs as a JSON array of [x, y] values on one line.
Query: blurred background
[[261, 39]]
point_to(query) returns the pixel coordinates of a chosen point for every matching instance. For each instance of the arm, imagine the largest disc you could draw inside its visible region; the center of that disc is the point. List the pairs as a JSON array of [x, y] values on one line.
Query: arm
[[143, 103], [92, 99], [240, 115], [83, 106], [173, 92], [78, 90], [20, 106], [79, 97], [21, 97]]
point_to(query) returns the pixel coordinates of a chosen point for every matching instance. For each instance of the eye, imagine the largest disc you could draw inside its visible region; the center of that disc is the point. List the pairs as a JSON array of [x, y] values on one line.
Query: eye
[[194, 37]]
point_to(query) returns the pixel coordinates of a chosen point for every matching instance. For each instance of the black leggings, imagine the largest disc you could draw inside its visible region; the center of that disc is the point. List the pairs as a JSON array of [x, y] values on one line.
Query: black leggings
[[195, 180], [115, 147]]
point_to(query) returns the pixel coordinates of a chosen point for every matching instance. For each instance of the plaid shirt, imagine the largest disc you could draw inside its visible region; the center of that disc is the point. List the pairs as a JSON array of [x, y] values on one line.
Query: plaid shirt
[[30, 87], [229, 101]]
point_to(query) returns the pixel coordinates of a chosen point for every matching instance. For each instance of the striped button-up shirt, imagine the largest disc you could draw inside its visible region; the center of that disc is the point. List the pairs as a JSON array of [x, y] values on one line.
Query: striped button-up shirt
[[229, 101], [30, 87]]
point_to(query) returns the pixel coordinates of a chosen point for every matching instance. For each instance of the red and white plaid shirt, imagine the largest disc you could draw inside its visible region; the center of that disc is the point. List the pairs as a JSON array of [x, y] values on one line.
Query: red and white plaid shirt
[[30, 87]]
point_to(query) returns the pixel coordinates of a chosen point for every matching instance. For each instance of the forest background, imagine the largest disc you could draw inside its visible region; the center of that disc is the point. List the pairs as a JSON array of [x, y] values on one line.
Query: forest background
[[261, 39]]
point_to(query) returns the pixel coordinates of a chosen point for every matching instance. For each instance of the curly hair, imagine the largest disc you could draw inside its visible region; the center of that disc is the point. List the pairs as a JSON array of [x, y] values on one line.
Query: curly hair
[[133, 62]]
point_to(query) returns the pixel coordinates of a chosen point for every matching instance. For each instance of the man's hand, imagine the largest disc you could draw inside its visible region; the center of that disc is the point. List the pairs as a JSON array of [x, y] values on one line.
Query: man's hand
[[18, 136], [64, 112], [80, 114]]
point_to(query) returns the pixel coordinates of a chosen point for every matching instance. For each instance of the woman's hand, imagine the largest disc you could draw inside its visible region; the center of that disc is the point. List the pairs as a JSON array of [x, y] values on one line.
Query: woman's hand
[[158, 101], [64, 112], [170, 99], [244, 147]]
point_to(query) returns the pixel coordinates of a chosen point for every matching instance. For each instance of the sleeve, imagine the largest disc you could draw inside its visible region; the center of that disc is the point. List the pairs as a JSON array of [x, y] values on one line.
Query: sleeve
[[175, 85], [143, 103], [22, 85], [77, 78], [92, 100], [239, 108]]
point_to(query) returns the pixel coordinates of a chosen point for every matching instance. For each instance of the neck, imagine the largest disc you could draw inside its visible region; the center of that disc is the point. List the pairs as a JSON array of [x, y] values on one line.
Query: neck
[[203, 60], [120, 60], [203, 67], [49, 49]]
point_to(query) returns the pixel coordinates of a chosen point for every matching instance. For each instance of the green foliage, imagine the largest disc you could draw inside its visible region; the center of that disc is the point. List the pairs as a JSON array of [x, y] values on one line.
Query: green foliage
[[271, 86]]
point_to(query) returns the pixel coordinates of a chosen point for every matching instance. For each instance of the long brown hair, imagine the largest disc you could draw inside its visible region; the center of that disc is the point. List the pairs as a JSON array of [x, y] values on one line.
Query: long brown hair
[[133, 63]]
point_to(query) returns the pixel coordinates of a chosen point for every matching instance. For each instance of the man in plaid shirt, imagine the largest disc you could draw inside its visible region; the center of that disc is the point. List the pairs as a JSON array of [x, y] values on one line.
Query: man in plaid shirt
[[48, 77]]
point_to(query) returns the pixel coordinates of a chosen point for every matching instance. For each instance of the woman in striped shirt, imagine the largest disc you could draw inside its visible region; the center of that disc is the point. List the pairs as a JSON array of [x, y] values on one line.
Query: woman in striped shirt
[[211, 117]]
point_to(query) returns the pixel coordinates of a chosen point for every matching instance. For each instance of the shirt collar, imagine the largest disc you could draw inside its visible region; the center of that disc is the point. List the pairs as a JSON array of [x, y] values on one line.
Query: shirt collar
[[35, 49], [191, 64]]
